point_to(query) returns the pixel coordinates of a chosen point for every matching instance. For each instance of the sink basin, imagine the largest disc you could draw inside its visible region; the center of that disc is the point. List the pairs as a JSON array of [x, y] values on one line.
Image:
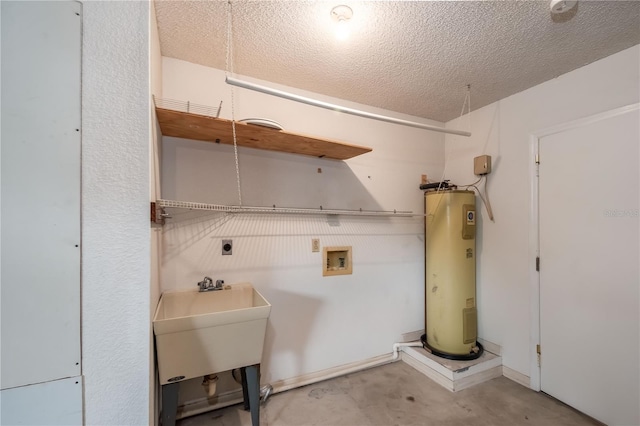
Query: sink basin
[[200, 333]]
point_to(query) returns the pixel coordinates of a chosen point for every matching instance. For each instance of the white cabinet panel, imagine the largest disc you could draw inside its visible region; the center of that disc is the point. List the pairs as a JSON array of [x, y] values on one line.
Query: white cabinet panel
[[41, 53], [52, 403]]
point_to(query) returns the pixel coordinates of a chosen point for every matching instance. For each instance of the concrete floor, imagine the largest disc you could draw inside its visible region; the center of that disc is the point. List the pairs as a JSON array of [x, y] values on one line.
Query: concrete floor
[[396, 394]]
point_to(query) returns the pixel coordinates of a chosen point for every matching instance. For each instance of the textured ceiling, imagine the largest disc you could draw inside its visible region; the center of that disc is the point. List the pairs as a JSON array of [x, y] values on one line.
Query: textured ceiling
[[413, 57]]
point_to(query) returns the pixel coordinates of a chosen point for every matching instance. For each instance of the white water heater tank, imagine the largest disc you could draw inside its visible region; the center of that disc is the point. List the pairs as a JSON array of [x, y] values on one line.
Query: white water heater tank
[[450, 274]]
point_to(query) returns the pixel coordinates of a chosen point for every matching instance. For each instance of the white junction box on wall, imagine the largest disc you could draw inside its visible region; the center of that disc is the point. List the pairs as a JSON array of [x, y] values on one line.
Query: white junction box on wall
[[482, 165]]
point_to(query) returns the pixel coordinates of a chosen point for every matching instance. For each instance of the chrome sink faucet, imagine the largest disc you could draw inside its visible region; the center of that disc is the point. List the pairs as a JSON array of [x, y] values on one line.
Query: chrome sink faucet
[[207, 284]]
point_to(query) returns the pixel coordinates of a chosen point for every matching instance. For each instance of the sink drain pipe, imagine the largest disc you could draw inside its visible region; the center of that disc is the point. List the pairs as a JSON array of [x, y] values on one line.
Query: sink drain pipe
[[397, 346], [209, 383]]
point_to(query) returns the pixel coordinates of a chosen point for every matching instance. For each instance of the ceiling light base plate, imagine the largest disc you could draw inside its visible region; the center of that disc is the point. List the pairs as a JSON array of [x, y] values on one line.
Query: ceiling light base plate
[[561, 6], [341, 13]]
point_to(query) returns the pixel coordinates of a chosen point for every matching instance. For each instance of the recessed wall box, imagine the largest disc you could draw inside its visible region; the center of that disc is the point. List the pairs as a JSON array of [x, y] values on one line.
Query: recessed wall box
[[336, 261], [482, 165]]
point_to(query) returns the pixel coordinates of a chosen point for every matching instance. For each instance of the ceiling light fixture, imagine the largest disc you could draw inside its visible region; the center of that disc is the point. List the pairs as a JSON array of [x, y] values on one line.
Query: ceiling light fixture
[[341, 15], [309, 101], [561, 6]]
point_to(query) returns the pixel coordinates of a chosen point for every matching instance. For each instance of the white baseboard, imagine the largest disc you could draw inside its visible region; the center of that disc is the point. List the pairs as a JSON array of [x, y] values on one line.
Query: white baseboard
[[411, 336], [202, 405], [330, 373], [516, 376], [491, 347]]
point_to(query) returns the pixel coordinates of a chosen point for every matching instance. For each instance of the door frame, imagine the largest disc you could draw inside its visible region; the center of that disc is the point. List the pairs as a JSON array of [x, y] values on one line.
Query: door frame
[[534, 225]]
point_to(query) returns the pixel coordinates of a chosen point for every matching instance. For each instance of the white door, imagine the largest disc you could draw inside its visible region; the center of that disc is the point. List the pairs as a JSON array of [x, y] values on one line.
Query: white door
[[589, 274]]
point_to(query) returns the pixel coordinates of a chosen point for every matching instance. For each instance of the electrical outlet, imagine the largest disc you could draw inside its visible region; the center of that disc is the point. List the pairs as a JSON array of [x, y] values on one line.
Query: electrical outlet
[[227, 246], [315, 244]]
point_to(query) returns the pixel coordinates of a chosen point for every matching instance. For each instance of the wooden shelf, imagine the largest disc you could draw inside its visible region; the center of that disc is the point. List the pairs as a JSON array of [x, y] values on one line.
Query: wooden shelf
[[217, 130]]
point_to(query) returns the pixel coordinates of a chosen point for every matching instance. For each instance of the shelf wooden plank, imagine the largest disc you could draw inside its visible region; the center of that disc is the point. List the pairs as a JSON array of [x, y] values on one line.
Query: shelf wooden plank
[[218, 130]]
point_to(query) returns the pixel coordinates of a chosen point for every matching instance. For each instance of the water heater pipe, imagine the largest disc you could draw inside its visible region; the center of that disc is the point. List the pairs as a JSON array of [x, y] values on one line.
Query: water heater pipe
[[309, 101], [397, 346]]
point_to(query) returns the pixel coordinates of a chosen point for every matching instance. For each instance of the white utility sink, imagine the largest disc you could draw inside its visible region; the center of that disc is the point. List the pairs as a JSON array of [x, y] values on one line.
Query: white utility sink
[[200, 333]]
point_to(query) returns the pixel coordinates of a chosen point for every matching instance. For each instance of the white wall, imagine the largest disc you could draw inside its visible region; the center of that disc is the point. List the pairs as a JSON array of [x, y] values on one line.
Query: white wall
[[503, 131], [316, 323], [115, 212]]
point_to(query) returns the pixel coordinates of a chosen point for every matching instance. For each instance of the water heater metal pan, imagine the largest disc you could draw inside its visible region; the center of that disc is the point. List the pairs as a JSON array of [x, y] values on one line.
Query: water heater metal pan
[[457, 357]]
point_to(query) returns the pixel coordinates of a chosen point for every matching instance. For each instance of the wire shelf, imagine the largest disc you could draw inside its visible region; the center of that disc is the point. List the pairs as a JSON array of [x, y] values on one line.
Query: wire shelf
[[281, 210], [186, 106]]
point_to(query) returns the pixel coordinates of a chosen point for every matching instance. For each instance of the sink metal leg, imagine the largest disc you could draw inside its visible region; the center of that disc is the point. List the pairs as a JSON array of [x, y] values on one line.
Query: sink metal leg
[[170, 403], [253, 389], [245, 395]]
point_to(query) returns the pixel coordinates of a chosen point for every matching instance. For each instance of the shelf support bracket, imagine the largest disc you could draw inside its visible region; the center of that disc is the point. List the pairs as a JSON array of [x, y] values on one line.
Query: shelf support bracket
[[157, 214]]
